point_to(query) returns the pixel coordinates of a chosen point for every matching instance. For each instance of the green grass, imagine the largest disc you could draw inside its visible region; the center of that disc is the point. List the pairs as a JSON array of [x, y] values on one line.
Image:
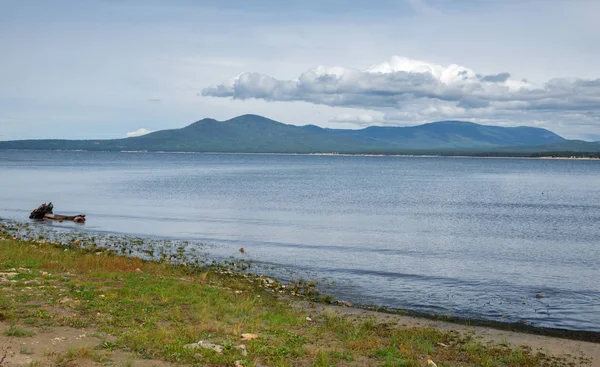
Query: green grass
[[18, 332], [154, 309], [71, 356]]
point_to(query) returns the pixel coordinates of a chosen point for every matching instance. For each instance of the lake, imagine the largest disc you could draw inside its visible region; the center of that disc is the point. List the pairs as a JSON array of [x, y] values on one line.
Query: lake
[[466, 237]]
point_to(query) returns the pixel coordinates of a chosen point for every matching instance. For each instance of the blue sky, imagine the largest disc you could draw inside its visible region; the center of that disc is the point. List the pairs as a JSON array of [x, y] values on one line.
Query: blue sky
[[102, 69]]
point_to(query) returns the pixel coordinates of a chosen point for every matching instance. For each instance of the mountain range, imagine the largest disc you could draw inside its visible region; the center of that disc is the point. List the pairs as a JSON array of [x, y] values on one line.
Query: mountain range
[[258, 134]]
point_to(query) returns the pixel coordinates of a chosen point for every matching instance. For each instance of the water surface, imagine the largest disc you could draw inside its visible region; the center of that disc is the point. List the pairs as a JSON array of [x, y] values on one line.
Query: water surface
[[453, 236]]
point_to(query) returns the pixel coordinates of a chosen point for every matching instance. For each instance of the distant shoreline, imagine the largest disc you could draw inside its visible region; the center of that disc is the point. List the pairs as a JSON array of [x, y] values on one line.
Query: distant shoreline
[[486, 155], [449, 156]]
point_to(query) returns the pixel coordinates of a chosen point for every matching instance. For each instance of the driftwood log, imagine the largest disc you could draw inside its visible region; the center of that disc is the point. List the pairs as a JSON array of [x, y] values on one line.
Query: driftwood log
[[40, 212], [44, 212]]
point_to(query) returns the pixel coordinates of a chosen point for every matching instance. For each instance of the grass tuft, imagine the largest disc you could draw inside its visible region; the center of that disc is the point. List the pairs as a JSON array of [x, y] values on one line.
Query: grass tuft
[[18, 332], [72, 357]]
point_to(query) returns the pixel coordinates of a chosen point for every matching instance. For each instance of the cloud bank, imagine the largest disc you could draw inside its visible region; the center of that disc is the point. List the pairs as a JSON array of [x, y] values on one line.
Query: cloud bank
[[412, 90], [138, 132]]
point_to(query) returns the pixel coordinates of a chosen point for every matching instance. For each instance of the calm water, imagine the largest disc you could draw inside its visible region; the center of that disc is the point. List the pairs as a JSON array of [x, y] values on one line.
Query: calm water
[[467, 237]]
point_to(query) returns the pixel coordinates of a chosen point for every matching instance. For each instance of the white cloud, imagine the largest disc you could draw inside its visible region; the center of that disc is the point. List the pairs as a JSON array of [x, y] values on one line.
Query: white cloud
[[138, 132], [400, 81], [362, 119]]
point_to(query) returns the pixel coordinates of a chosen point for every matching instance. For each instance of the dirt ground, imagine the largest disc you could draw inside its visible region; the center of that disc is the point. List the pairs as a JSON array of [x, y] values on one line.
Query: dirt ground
[[77, 347]]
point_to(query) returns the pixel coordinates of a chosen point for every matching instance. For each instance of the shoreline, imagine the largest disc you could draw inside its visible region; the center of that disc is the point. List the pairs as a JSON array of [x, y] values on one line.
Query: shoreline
[[557, 344], [305, 290], [461, 156], [442, 341], [515, 327]]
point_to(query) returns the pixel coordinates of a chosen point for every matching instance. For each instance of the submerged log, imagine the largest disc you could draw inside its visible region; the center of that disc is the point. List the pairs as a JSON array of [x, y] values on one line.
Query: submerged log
[[44, 212], [75, 218]]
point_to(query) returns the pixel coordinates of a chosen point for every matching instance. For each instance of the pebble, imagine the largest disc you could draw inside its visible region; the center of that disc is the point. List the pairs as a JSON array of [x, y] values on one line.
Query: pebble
[[56, 340], [205, 345], [243, 349]]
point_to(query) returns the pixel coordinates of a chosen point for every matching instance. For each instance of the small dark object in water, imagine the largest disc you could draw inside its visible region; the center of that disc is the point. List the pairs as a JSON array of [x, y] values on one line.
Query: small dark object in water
[[44, 211], [539, 296], [242, 250], [41, 212]]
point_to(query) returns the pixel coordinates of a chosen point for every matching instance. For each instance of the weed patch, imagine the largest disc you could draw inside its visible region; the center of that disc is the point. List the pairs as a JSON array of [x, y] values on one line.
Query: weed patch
[[18, 332]]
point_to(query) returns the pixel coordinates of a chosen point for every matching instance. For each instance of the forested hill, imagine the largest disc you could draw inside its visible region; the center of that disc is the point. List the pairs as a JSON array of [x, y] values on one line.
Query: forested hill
[[257, 134]]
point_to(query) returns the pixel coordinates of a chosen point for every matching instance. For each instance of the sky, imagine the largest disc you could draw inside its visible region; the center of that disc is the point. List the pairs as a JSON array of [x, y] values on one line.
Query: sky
[[116, 68]]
